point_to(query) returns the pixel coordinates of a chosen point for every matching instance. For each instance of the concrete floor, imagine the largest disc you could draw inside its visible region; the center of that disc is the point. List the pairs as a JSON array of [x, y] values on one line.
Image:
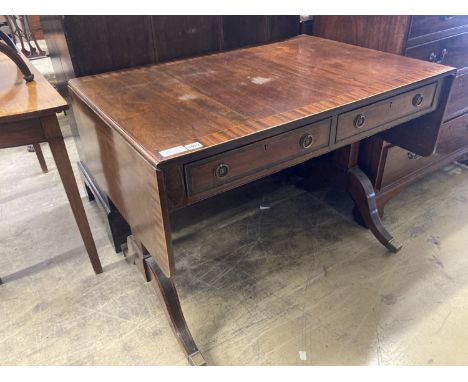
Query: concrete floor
[[298, 283]]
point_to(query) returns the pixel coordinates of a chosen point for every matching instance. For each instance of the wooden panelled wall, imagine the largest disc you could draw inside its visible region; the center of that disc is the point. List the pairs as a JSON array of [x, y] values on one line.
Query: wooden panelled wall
[[99, 44]]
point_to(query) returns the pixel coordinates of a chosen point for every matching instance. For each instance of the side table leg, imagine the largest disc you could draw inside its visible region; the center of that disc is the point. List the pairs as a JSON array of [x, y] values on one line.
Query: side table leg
[[363, 194], [40, 157], [59, 152]]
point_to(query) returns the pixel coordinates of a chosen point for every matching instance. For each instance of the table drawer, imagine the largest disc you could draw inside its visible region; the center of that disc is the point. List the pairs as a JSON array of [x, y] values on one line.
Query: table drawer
[[458, 102], [453, 135], [400, 163], [370, 117], [452, 51], [242, 162], [423, 25]]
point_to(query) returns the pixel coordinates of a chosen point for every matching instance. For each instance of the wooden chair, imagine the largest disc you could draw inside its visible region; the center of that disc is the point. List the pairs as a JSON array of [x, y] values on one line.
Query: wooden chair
[[35, 147], [21, 33]]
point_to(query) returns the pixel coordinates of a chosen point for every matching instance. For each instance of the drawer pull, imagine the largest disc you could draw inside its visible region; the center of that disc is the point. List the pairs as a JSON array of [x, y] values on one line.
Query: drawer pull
[[307, 141], [438, 59], [359, 121], [446, 18], [413, 155], [417, 100], [221, 171]]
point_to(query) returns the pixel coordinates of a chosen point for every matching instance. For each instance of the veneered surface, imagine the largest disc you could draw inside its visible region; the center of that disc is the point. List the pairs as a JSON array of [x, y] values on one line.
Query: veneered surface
[[19, 99], [226, 96]]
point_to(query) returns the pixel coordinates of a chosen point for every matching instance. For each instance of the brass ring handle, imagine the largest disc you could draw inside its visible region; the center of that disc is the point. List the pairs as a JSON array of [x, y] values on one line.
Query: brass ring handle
[[417, 100], [359, 121], [413, 155], [221, 171], [438, 59], [307, 141]]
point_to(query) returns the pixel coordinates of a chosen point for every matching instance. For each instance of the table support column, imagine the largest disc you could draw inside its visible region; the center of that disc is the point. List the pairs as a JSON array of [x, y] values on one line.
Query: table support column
[[363, 194], [341, 169]]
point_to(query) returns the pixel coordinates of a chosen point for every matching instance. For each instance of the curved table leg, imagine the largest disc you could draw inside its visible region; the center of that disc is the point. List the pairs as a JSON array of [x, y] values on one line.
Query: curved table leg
[[167, 293], [165, 288], [363, 194]]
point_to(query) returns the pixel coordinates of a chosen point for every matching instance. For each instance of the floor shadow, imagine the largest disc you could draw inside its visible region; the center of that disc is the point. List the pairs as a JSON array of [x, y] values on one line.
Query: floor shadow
[[61, 258]]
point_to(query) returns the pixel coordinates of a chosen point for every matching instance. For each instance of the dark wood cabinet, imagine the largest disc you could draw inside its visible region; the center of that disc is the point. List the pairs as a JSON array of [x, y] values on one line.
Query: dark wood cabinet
[[85, 45], [438, 39]]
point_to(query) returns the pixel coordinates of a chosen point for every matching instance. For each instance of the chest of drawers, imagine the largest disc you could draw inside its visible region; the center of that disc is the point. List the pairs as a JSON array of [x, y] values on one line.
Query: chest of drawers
[[439, 39]]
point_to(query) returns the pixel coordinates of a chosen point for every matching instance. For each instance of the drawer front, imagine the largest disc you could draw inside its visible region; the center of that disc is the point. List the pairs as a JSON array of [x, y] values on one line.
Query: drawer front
[[458, 102], [452, 51], [221, 169], [400, 163], [423, 25], [453, 135], [370, 117]]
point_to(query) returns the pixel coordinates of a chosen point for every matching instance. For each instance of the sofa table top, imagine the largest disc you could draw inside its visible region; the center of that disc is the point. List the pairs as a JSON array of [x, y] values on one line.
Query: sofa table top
[[215, 99]]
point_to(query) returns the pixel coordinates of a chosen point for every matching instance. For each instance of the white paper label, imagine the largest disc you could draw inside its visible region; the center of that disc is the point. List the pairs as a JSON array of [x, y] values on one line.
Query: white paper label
[[193, 146], [173, 151]]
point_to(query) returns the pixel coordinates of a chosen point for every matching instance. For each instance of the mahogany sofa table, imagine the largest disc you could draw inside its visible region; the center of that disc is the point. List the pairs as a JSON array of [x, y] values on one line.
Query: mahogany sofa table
[[28, 116], [158, 138]]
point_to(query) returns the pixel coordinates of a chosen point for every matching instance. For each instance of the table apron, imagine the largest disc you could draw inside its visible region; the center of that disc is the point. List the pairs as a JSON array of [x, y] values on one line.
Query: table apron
[[21, 133]]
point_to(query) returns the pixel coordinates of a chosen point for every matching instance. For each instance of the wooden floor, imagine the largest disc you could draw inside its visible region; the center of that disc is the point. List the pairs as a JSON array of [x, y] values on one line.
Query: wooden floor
[[263, 278]]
